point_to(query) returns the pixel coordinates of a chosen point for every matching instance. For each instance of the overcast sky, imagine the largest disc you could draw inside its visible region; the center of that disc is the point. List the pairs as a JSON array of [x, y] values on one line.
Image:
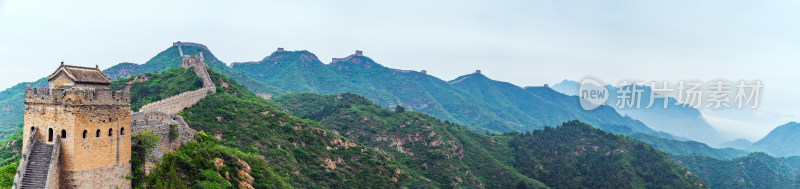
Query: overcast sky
[[523, 42]]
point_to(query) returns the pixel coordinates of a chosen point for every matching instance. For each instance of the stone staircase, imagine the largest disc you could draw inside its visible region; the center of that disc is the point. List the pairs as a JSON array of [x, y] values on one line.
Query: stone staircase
[[38, 166]]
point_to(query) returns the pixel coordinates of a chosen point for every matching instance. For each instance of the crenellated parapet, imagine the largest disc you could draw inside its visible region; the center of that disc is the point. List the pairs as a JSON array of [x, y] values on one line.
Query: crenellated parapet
[[178, 43], [77, 96], [177, 103]]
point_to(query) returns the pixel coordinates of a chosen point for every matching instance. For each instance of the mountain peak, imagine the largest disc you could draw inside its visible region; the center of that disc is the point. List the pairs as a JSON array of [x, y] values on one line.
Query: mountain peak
[[473, 76], [357, 58], [781, 141]]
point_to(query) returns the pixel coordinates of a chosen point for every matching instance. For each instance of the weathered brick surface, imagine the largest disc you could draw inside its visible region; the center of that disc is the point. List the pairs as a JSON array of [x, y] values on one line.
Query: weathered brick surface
[[108, 177]]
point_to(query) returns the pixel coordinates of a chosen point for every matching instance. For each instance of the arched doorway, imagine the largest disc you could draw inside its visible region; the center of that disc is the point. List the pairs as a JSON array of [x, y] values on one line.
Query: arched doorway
[[50, 135]]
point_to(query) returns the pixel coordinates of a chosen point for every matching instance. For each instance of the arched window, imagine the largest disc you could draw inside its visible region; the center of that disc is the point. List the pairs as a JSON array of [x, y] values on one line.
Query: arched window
[[32, 128], [122, 131], [63, 133], [97, 134], [84, 134], [110, 131], [50, 135]]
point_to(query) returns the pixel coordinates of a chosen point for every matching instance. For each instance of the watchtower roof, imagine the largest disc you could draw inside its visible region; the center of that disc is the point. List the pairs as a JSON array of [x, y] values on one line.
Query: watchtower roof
[[81, 74]]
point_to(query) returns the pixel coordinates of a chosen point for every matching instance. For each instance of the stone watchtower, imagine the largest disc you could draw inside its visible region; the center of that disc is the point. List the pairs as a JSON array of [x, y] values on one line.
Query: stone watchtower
[[86, 127]]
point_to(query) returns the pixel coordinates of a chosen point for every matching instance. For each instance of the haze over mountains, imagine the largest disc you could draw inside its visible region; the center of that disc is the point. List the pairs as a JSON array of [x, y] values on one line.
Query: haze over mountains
[[676, 119]]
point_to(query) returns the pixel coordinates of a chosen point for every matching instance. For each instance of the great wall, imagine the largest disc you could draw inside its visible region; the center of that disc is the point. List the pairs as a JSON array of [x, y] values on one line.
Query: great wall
[[178, 102], [160, 116], [67, 146]]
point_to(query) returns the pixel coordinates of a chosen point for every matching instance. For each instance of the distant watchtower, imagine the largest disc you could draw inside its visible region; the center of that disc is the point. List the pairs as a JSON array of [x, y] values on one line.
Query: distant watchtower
[[84, 124], [193, 61]]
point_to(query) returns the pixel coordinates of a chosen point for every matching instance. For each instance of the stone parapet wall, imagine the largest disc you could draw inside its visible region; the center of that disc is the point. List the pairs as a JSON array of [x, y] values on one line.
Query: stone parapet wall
[[177, 103], [189, 44], [53, 178], [77, 96], [23, 162]]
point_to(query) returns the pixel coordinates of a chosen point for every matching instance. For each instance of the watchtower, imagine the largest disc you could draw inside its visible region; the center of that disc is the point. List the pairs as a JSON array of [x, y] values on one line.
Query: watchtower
[[80, 116]]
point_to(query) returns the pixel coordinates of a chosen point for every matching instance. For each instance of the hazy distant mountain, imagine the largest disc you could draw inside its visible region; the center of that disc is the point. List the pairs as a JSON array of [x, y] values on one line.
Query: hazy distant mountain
[[784, 140], [676, 119], [741, 143], [686, 148]]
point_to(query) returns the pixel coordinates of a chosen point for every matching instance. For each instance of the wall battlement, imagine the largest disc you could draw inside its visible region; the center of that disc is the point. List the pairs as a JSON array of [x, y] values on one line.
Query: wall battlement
[[177, 103], [77, 96], [178, 43]]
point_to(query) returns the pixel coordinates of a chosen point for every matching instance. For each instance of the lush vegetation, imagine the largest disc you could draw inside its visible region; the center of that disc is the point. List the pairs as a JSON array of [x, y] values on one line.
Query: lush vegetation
[[151, 87], [7, 174], [170, 58], [474, 100], [447, 154], [573, 155], [12, 107], [10, 152], [207, 164], [140, 152], [307, 154], [757, 170], [686, 148]]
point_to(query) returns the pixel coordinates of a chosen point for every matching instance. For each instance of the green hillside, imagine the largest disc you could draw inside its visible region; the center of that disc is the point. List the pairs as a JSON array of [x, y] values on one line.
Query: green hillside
[[203, 163], [307, 154], [448, 154], [151, 87], [685, 148], [474, 100], [12, 107], [757, 170], [452, 155], [575, 155]]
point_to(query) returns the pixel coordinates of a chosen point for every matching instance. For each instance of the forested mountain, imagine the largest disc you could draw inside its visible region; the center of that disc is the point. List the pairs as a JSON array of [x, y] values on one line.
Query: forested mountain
[[569, 156], [483, 104], [446, 153], [12, 108], [301, 150], [575, 155], [757, 170], [677, 147]]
